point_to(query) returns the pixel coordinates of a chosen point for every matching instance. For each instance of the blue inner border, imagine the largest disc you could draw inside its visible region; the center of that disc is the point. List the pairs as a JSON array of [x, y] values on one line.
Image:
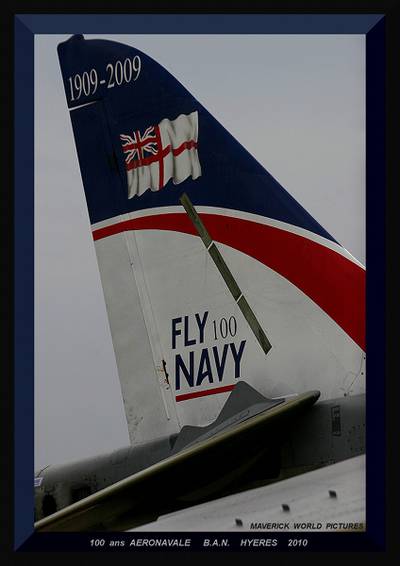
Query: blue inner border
[[26, 26], [200, 23], [375, 297], [24, 286]]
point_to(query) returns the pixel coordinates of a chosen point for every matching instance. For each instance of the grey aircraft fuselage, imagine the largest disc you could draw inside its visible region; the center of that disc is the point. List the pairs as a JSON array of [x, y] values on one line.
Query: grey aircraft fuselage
[[330, 431]]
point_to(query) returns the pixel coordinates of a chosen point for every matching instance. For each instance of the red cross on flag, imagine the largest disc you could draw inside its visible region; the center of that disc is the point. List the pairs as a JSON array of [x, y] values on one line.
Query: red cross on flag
[[160, 153]]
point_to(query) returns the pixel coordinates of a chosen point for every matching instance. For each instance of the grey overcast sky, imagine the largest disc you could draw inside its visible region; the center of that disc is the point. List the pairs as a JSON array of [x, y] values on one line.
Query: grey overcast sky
[[297, 103]]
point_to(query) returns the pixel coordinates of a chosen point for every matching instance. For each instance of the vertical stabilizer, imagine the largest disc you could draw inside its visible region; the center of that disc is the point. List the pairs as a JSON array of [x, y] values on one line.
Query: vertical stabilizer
[[182, 337]]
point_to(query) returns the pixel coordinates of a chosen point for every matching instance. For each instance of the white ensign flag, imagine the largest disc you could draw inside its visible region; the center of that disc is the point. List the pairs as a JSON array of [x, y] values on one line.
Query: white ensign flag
[[160, 153]]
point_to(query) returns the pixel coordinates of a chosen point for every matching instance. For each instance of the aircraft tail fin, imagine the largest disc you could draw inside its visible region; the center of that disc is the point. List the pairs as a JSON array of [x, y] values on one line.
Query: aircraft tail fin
[[181, 338]]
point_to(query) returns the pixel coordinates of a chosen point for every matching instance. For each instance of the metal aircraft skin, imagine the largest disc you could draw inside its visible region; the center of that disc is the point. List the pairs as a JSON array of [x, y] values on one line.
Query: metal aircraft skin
[[331, 498], [238, 322]]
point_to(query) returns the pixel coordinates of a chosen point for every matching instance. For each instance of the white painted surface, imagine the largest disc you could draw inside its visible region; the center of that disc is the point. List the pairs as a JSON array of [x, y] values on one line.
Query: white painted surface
[[176, 277]]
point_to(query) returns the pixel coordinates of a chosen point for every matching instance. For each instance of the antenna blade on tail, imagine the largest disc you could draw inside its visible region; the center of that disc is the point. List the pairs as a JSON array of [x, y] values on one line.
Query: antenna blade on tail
[[226, 274]]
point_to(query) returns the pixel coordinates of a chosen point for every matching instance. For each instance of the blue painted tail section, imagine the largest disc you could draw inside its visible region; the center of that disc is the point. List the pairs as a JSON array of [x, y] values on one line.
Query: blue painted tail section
[[113, 88]]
